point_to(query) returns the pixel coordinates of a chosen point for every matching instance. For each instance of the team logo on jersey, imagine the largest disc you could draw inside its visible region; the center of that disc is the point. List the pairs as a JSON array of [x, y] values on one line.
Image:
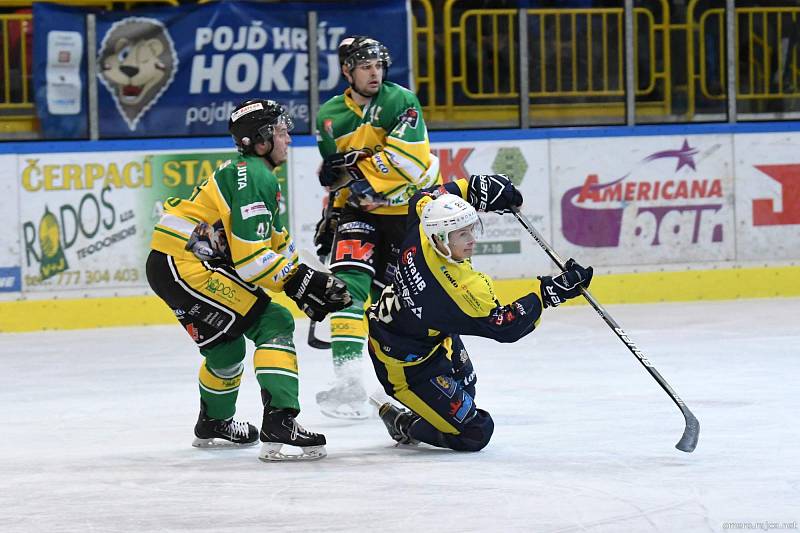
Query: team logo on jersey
[[193, 332], [137, 61], [354, 249], [253, 210], [455, 406], [410, 116], [445, 384], [462, 411], [408, 253], [216, 287]]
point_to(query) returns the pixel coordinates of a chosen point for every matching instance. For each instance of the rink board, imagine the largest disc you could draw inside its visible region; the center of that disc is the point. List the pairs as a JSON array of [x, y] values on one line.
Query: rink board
[[663, 214]]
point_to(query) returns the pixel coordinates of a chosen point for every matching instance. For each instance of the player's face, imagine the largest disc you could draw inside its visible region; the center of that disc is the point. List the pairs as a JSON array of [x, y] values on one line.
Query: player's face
[[367, 77], [462, 243], [280, 144]]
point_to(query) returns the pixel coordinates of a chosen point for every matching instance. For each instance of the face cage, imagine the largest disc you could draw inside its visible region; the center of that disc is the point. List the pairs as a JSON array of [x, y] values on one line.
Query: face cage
[[379, 52], [444, 236], [268, 130]]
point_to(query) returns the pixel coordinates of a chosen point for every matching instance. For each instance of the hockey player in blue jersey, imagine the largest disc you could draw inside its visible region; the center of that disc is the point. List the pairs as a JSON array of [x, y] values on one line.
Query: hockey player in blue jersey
[[436, 296]]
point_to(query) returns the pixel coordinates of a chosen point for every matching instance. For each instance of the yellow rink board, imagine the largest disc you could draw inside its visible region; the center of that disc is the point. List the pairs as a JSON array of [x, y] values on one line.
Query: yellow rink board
[[644, 287]]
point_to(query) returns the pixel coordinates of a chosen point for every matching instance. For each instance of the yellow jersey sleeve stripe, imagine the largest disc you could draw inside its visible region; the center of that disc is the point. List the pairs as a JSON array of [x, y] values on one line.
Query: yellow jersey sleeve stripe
[[278, 263], [251, 256], [422, 166], [171, 234], [177, 224], [260, 266]]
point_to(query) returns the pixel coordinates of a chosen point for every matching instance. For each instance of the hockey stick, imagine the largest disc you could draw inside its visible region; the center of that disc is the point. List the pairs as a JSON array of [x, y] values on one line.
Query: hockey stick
[[691, 432], [312, 338]]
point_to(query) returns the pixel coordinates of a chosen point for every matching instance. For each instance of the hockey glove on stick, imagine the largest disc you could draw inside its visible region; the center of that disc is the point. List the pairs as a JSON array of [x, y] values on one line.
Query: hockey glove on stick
[[209, 243], [339, 164], [493, 192], [316, 293], [556, 290], [364, 197], [326, 230]]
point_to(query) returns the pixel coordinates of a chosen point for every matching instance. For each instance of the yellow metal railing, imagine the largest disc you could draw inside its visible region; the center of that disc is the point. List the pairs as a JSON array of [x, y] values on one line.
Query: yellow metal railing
[[422, 57], [576, 60], [766, 61], [16, 103]]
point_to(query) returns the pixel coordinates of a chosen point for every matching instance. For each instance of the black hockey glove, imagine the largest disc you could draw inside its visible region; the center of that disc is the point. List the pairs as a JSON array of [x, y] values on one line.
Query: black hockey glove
[[556, 290], [493, 192], [326, 230], [364, 197], [316, 293], [339, 165], [209, 243]]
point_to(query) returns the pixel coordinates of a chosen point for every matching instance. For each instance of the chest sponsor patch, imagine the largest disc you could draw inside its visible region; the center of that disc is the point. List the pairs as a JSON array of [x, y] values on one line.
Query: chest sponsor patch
[[254, 209]]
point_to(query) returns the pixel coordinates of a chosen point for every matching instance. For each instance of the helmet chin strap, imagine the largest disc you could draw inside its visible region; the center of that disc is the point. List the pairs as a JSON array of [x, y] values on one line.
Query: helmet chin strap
[[268, 154], [446, 245]]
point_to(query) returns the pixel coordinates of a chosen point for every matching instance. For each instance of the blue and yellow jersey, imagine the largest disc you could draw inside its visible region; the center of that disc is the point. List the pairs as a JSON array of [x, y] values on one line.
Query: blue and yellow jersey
[[244, 194], [391, 130], [432, 298]]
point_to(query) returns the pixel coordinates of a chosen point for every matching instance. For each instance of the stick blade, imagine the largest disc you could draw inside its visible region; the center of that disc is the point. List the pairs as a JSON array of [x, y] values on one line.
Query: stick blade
[[691, 433]]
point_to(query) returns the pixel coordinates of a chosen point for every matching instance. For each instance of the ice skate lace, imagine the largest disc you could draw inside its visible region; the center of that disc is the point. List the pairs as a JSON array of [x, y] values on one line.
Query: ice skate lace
[[238, 429], [297, 428]]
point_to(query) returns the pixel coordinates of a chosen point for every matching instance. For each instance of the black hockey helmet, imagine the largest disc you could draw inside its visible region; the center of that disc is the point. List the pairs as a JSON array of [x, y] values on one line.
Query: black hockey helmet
[[254, 121], [357, 48]]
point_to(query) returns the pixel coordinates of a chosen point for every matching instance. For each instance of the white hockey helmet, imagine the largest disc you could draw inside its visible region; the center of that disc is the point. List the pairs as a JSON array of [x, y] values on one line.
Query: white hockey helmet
[[444, 215]]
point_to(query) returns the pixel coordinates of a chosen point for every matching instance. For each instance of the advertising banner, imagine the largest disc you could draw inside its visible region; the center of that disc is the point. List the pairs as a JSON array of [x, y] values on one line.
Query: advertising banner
[[181, 71], [767, 196], [10, 276], [86, 219], [80, 223], [643, 200]]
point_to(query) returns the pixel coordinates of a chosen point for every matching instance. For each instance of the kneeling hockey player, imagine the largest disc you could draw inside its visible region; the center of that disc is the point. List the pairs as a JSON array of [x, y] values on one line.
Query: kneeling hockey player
[[436, 296]]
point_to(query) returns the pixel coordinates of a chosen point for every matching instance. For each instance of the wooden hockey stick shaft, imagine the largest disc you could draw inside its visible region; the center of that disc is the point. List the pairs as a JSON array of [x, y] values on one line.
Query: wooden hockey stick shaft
[[691, 431]]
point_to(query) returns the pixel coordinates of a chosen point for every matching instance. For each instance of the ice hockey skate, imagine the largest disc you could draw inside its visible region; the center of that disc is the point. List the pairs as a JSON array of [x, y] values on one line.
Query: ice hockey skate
[[347, 400], [279, 428], [214, 433], [397, 421]]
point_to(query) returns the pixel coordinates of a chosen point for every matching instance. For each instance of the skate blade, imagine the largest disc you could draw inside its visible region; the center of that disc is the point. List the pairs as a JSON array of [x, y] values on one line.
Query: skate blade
[[217, 443], [346, 411], [271, 452]]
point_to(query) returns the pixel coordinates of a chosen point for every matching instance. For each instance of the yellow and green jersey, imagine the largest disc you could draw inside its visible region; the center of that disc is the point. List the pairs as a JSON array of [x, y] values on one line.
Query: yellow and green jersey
[[390, 128], [244, 194]]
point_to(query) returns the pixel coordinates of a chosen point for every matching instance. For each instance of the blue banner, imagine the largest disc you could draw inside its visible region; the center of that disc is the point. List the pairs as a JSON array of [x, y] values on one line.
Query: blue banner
[[59, 71], [180, 71]]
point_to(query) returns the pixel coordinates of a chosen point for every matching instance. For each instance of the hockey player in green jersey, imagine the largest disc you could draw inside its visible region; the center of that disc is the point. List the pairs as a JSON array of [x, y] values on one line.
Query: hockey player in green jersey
[[212, 256], [374, 136]]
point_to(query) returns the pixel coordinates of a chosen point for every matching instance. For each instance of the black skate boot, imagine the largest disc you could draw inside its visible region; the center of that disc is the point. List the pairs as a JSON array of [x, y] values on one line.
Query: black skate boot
[[279, 427], [215, 433], [397, 422]]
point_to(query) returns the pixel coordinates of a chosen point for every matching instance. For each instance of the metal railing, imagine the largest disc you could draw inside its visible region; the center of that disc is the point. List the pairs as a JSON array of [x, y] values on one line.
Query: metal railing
[[766, 43], [16, 99]]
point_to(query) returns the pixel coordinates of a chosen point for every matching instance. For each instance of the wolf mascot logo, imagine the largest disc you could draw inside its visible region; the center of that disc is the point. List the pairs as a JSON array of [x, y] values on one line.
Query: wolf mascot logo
[[137, 62]]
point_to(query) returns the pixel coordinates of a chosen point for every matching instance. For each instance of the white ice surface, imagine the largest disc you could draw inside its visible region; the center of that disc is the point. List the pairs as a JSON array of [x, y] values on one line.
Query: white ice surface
[[97, 426]]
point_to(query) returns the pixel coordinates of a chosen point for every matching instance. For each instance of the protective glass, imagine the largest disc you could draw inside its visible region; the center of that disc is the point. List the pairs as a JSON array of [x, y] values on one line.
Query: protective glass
[[268, 130], [369, 53]]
